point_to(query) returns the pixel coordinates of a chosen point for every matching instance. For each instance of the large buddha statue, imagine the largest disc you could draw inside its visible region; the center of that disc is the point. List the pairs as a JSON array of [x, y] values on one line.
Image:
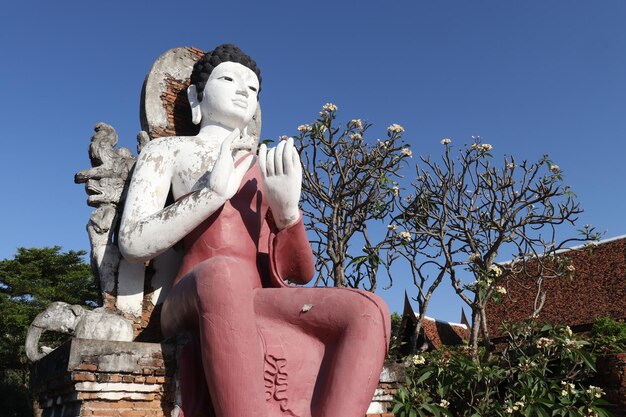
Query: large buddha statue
[[260, 346]]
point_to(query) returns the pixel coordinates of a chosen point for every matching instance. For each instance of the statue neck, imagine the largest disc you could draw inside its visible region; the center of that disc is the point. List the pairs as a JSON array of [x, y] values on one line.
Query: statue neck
[[214, 130], [213, 134]]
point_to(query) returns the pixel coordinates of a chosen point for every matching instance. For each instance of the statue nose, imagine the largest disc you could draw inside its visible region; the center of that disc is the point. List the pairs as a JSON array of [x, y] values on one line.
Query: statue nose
[[242, 88]]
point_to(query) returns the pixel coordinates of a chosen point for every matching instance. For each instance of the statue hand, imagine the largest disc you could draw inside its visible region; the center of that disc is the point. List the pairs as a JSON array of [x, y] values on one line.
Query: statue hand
[[225, 178], [281, 170]]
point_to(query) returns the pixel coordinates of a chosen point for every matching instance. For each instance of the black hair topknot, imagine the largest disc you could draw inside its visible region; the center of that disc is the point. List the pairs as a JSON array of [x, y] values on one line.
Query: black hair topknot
[[223, 53]]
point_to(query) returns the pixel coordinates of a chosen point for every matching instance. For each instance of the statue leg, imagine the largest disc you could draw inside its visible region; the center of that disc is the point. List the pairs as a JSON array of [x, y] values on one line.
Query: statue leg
[[354, 325], [196, 401], [216, 298]]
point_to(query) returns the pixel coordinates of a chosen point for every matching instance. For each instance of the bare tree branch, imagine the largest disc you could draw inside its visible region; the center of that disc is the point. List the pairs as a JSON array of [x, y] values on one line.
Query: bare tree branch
[[463, 211], [348, 185]]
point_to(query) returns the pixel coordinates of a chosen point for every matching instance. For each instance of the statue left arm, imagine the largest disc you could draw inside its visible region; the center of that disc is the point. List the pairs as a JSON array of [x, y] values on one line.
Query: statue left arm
[[290, 255]]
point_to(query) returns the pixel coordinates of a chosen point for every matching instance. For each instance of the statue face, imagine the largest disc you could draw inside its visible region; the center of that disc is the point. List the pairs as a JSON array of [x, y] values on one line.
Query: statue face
[[230, 95]]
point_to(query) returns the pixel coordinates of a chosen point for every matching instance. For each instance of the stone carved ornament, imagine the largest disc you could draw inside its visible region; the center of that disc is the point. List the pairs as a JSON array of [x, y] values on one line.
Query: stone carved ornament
[[104, 184], [75, 320]]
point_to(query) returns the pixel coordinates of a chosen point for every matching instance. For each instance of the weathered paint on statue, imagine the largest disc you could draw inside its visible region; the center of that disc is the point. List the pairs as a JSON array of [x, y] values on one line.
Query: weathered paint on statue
[[259, 347]]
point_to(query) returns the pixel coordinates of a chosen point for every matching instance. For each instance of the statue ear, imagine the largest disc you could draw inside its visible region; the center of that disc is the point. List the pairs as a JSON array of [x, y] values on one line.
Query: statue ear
[[192, 96]]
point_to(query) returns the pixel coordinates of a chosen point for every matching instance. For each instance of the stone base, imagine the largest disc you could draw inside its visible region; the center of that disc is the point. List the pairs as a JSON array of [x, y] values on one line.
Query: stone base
[[388, 384], [103, 378]]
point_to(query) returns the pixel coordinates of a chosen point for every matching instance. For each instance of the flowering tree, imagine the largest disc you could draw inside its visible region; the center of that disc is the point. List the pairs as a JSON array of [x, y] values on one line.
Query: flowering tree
[[542, 370], [348, 185], [464, 211]]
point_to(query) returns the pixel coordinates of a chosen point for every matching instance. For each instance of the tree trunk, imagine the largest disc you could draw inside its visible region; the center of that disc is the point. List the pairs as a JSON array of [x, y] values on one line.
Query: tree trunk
[[418, 330], [339, 277], [473, 342], [485, 331]]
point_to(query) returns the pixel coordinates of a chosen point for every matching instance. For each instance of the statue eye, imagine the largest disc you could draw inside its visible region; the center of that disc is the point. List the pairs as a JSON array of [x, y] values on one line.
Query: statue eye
[[252, 88], [227, 78]]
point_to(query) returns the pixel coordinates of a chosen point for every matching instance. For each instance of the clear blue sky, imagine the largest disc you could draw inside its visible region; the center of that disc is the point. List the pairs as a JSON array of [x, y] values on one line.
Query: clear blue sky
[[530, 77]]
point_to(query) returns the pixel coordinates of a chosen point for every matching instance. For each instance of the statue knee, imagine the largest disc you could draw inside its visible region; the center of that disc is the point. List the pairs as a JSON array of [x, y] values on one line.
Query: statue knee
[[369, 315], [221, 284]]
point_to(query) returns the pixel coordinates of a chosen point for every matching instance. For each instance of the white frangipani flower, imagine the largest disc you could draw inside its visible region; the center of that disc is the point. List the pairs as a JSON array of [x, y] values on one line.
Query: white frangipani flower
[[395, 128], [329, 107], [495, 270], [305, 128], [357, 123]]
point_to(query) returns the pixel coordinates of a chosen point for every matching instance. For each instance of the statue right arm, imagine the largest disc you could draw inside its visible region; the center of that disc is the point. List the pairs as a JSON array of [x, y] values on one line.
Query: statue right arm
[[148, 228]]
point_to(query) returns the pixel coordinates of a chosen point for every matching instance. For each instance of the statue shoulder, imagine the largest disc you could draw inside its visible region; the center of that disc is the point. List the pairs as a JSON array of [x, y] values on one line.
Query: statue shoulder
[[158, 145], [164, 148], [169, 155]]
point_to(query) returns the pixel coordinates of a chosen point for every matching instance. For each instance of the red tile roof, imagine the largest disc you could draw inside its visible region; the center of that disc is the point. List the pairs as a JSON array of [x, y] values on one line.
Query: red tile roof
[[439, 333], [433, 333]]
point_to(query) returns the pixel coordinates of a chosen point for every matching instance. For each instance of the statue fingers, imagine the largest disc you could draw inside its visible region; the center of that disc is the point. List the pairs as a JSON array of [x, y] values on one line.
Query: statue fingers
[[296, 162], [278, 158], [270, 162], [288, 156], [263, 159]]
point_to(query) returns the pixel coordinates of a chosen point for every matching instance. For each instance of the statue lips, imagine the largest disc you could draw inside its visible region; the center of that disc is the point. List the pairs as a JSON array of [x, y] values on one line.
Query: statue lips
[[240, 102]]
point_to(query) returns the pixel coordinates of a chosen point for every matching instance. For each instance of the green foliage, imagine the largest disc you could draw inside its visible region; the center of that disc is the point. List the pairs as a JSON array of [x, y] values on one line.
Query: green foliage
[[608, 335], [394, 344], [28, 283], [541, 372], [38, 276], [14, 397]]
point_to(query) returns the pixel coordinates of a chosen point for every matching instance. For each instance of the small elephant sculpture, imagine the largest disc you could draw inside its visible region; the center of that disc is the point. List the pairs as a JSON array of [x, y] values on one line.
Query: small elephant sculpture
[[75, 320]]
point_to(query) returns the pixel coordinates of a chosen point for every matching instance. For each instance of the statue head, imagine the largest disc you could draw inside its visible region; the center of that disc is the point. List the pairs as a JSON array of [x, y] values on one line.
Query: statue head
[[224, 89]]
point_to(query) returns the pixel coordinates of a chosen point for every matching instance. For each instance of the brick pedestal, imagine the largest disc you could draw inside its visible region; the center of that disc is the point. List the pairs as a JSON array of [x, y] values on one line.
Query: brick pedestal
[[102, 378]]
